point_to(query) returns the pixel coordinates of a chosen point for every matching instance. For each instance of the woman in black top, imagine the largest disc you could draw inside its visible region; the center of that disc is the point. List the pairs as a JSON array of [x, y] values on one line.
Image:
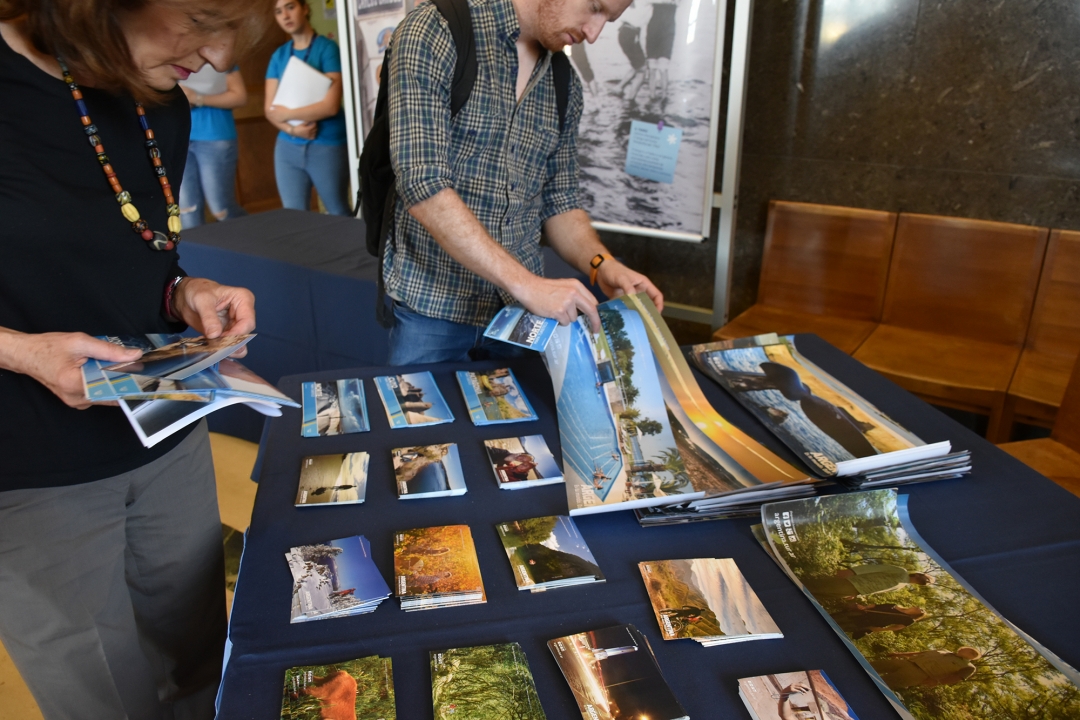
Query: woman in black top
[[111, 601]]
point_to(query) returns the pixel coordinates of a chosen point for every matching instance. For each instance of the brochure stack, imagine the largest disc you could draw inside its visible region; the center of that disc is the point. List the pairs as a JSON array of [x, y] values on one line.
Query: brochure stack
[[336, 578], [548, 553], [437, 567]]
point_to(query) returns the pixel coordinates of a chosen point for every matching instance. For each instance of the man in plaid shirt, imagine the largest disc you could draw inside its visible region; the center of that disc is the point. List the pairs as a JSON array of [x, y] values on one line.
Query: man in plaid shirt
[[476, 190]]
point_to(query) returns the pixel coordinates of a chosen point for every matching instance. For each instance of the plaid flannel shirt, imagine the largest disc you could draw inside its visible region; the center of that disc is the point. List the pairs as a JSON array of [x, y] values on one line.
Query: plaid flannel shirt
[[507, 160]]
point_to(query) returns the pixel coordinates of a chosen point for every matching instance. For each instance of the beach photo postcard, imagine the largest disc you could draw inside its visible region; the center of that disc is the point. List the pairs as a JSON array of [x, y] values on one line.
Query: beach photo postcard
[[185, 357], [491, 682], [361, 689], [335, 578], [614, 675], [707, 600], [547, 553], [426, 471], [805, 695], [412, 400], [522, 462], [494, 397], [337, 407], [933, 646], [517, 326], [436, 567], [339, 479]]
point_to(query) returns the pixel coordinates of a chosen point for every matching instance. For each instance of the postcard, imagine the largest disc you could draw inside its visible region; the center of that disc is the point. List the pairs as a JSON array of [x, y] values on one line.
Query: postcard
[[333, 479], [494, 396], [521, 462], [933, 646], [548, 552], [185, 357], [428, 471], [362, 689], [595, 665], [412, 400], [437, 566], [705, 599], [782, 696], [337, 407], [517, 326], [336, 577], [491, 682]]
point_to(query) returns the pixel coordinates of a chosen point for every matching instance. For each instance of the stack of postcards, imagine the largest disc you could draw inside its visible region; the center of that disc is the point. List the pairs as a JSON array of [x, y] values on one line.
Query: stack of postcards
[[336, 578], [494, 397], [490, 681], [548, 553], [362, 689], [522, 462], [412, 400], [437, 567], [427, 471]]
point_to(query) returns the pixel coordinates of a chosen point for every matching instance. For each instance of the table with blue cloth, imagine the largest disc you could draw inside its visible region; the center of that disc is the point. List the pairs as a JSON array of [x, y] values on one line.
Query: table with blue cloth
[[1011, 533]]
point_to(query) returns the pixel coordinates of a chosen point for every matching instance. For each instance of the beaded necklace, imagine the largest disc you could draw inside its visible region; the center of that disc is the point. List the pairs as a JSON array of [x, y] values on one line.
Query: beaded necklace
[[154, 238]]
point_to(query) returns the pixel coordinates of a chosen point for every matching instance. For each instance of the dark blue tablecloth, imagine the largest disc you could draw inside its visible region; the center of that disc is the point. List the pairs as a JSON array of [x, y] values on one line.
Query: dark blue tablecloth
[[1014, 535]]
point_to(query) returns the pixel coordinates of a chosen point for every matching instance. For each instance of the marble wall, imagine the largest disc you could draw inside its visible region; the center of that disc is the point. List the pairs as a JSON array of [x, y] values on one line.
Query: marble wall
[[954, 107]]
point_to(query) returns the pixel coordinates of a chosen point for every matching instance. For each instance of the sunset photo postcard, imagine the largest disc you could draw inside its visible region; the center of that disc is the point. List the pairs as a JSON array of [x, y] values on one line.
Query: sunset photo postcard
[[522, 462], [412, 400], [428, 471], [805, 695], [494, 397], [334, 579], [339, 479], [490, 682], [362, 689], [436, 567], [547, 553], [337, 407]]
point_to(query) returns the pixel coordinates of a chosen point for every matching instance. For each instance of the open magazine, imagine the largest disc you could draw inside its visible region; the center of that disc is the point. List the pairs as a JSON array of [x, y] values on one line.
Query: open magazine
[[932, 645], [177, 381]]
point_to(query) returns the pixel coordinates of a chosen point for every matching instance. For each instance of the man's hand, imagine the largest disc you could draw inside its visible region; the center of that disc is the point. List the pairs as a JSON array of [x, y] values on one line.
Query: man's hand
[[215, 310], [55, 360], [616, 279], [561, 299]]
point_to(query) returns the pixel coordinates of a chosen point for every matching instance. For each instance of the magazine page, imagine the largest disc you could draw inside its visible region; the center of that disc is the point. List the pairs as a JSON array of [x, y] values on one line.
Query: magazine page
[[240, 381], [428, 471], [155, 420], [517, 326], [494, 396], [337, 407], [412, 400], [362, 689], [333, 479], [933, 646], [706, 599], [523, 461], [185, 357], [782, 696], [97, 385], [547, 550], [492, 682]]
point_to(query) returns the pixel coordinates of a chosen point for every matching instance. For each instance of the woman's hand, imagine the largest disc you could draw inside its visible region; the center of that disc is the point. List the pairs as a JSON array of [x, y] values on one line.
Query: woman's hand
[[279, 114], [215, 310]]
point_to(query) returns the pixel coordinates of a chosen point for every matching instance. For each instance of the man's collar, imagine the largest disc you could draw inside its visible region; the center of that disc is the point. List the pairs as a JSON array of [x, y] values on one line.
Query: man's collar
[[506, 19]]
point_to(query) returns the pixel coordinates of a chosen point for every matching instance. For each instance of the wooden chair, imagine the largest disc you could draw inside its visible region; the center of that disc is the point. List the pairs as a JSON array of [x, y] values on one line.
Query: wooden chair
[[823, 271], [957, 309], [1057, 457], [1053, 339]]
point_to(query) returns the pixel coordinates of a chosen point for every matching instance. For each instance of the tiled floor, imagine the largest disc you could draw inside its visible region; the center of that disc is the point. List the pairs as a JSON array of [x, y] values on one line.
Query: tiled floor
[[233, 460]]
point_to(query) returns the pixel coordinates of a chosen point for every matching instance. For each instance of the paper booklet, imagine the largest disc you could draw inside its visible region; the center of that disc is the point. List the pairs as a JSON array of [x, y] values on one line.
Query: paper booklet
[[436, 567], [333, 479], [547, 553], [491, 682], [707, 600], [335, 578], [635, 428], [412, 400], [597, 664], [337, 407], [517, 326], [831, 427], [362, 689], [522, 462], [932, 645], [494, 397], [426, 471], [807, 695], [194, 381], [300, 85], [207, 81]]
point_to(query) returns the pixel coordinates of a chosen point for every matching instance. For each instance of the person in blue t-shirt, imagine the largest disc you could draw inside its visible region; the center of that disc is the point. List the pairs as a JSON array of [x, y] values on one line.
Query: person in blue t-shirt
[[210, 173], [312, 151]]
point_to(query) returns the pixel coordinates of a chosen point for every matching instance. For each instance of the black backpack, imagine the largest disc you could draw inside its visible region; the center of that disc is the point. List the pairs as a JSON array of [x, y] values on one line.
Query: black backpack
[[377, 192]]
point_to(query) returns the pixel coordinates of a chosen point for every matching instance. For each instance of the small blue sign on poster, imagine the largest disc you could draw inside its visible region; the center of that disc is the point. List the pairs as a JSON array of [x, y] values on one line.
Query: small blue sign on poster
[[653, 151]]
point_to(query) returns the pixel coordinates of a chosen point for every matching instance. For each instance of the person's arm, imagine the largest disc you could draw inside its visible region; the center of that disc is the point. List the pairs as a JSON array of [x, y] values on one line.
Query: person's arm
[[306, 131], [235, 94], [327, 107]]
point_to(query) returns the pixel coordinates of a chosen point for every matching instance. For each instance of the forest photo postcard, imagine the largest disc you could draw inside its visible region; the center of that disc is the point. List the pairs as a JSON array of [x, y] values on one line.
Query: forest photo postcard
[[548, 552], [437, 567], [491, 682]]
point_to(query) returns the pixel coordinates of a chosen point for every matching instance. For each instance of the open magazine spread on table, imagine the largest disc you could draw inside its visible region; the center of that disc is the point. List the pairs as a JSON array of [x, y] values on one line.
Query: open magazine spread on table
[[177, 381], [831, 427], [636, 428], [932, 645]]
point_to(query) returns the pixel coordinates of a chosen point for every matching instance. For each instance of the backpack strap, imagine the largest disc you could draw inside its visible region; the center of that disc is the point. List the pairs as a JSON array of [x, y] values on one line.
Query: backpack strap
[[560, 73], [459, 18]]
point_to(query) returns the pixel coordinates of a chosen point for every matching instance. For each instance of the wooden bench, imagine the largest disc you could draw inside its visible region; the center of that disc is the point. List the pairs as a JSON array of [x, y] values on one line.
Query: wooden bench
[[957, 307], [823, 271]]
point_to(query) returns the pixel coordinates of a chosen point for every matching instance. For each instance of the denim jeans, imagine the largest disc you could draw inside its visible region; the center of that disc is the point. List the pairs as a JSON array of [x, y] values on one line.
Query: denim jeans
[[297, 166], [209, 179], [417, 339]]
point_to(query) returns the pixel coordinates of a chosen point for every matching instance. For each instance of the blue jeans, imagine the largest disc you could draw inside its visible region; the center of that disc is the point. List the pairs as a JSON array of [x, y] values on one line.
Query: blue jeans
[[209, 179], [417, 339], [297, 166]]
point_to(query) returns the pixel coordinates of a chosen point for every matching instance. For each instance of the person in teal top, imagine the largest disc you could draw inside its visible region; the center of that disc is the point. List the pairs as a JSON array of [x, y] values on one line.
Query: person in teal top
[[210, 173], [313, 151]]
